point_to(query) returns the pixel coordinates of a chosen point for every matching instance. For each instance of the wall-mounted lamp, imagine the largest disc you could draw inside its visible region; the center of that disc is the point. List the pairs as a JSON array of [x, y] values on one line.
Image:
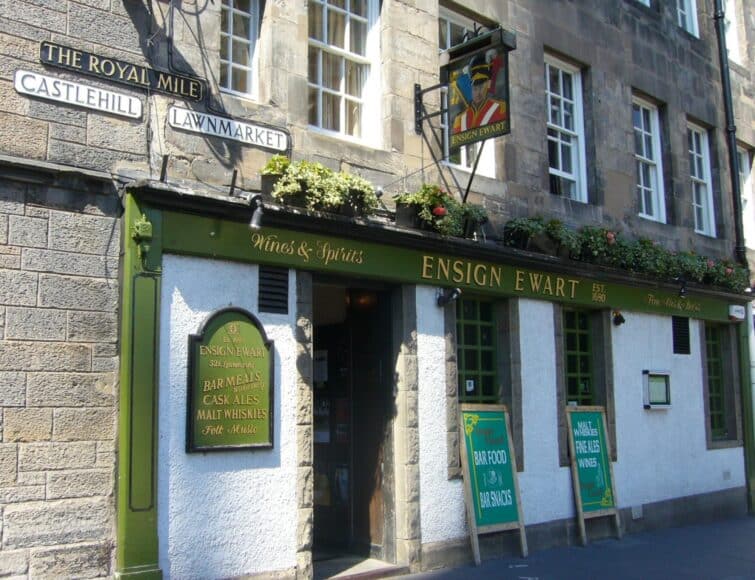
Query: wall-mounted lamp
[[618, 318], [448, 295], [255, 202], [682, 287]]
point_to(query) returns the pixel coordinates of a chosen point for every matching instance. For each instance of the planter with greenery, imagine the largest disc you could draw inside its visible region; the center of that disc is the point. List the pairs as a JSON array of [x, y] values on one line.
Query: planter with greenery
[[605, 247], [431, 208], [273, 170], [316, 187]]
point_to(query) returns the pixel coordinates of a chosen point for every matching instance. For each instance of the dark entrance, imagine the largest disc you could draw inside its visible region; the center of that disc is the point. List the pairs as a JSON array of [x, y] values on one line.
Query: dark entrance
[[353, 404]]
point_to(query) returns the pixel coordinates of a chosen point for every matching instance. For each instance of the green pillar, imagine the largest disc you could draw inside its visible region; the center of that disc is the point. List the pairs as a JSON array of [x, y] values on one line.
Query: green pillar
[[137, 549]]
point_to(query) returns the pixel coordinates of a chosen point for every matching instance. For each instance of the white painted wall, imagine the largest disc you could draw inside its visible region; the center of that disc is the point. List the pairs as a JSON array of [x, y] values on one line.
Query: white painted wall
[[544, 486], [441, 501], [225, 513], [662, 454]]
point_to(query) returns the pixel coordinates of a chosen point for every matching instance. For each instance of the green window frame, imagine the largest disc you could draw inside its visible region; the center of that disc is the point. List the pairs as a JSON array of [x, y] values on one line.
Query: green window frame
[[580, 383], [716, 392], [476, 339]]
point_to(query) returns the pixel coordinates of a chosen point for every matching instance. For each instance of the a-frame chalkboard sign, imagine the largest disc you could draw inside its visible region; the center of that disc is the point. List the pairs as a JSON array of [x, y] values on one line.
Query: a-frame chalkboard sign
[[491, 489], [592, 472]]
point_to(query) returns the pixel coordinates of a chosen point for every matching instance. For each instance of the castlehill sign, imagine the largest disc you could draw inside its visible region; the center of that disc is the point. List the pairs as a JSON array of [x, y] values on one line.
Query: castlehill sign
[[112, 69]]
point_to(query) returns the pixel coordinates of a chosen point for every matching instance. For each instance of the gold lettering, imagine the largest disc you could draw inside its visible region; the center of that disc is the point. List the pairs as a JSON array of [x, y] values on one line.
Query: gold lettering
[[94, 64], [458, 269], [194, 90], [519, 284], [427, 265], [165, 83], [442, 269], [480, 281], [573, 288], [495, 273], [560, 287], [535, 281], [548, 288], [469, 273]]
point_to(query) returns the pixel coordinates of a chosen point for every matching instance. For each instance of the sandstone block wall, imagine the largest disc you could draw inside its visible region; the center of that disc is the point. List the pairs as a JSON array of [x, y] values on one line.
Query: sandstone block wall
[[58, 380]]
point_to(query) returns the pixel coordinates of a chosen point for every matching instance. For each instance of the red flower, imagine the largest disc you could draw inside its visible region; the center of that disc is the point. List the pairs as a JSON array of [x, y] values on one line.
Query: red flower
[[439, 211], [711, 263], [610, 238], [729, 271]]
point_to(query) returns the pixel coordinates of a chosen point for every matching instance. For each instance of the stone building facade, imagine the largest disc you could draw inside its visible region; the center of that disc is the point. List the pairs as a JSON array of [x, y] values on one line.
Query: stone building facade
[[94, 478]]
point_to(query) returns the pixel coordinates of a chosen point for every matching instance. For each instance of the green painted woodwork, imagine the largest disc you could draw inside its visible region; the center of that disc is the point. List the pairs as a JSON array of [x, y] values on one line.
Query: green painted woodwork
[[591, 459], [137, 548], [748, 412], [490, 465], [213, 237], [477, 363], [580, 384]]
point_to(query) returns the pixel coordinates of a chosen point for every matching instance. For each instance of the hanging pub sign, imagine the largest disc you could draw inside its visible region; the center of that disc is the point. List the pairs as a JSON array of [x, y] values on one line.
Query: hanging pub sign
[[230, 394], [112, 69], [477, 75]]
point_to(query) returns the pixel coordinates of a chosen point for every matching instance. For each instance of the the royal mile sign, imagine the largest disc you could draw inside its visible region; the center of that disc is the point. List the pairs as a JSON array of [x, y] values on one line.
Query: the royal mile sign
[[112, 69], [230, 384]]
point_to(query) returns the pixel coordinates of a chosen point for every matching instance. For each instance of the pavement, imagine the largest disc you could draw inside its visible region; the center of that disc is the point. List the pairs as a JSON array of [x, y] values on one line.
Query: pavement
[[723, 550]]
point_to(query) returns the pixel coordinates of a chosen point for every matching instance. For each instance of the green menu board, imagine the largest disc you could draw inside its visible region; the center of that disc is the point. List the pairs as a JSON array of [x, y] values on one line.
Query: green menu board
[[490, 471], [230, 394], [592, 473]]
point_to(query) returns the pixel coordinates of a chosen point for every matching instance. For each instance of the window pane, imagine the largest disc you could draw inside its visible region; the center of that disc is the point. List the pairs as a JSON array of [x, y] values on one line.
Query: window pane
[[331, 117], [553, 159], [336, 29], [486, 360], [566, 158], [242, 5], [241, 25], [457, 34], [312, 107], [442, 34], [331, 70], [315, 22], [223, 76], [470, 360], [469, 310], [355, 76], [223, 49], [486, 336], [554, 80], [470, 335], [240, 80], [567, 88], [359, 7], [241, 53], [313, 64], [358, 37], [353, 118]]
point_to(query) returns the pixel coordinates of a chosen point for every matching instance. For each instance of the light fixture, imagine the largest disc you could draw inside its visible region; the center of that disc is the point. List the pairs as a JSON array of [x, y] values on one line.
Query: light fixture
[[255, 202], [448, 295], [682, 287], [618, 318]]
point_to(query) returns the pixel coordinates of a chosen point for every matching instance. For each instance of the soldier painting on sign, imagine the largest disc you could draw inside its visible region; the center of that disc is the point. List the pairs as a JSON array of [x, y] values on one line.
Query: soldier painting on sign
[[478, 99]]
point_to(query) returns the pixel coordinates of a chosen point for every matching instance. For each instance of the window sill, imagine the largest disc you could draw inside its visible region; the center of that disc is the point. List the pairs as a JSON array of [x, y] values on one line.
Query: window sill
[[652, 218], [319, 132], [724, 443]]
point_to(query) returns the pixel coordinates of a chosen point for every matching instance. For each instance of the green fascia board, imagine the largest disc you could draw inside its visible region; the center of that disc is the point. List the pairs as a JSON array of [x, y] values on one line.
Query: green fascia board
[[214, 237]]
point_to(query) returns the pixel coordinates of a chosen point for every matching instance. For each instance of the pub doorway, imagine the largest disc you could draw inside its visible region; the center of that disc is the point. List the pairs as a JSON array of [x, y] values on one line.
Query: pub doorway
[[352, 380]]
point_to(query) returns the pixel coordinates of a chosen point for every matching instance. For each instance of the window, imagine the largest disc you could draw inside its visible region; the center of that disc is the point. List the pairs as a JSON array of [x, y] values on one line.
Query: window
[[238, 39], [566, 141], [721, 379], [578, 353], [731, 22], [454, 29], [343, 83], [484, 365], [699, 168], [476, 344], [584, 362], [647, 154], [716, 398], [680, 333], [745, 190], [686, 15]]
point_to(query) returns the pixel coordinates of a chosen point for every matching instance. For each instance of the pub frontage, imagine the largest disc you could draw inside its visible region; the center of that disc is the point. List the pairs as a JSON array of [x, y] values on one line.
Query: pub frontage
[[290, 393]]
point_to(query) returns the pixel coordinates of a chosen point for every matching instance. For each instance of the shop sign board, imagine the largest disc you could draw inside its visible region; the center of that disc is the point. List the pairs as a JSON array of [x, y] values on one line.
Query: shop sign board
[[592, 472], [257, 135], [230, 386], [119, 71], [316, 252], [490, 477], [71, 93]]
